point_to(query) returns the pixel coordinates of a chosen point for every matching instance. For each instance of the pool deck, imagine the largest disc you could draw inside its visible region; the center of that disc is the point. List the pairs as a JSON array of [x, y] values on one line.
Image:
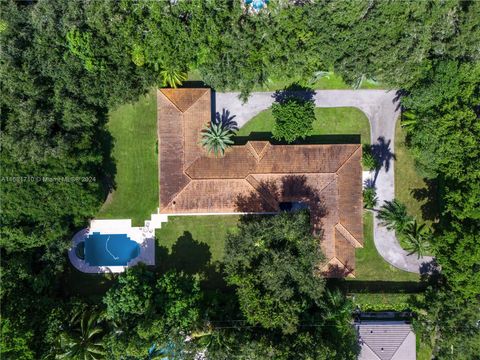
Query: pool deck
[[144, 236]]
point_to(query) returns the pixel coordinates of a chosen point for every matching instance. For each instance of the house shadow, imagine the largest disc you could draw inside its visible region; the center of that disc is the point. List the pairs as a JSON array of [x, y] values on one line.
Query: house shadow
[[309, 140], [377, 286]]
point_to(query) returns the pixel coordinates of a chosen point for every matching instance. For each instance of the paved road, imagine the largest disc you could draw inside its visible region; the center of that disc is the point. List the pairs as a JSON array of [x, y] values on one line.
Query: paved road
[[381, 108]]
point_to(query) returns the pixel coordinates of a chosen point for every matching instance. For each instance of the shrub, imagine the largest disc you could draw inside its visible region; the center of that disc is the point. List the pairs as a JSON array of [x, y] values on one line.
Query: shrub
[[293, 119], [368, 160], [370, 199]]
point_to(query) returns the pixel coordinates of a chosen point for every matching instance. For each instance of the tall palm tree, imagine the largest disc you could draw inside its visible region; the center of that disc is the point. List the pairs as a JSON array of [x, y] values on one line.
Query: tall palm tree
[[83, 339], [417, 237], [393, 214], [216, 138]]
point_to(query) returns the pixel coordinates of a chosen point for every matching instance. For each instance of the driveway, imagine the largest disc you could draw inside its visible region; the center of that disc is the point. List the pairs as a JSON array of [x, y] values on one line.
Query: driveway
[[382, 109]]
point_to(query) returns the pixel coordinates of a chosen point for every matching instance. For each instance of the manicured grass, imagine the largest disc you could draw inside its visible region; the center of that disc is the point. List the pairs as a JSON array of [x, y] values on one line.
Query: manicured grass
[[196, 236], [369, 265], [418, 195], [329, 121], [329, 82], [134, 129], [407, 178]]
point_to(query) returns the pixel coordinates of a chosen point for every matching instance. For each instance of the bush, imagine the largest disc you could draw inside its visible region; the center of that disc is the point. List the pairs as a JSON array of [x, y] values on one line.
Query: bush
[[368, 160], [293, 119], [369, 198]]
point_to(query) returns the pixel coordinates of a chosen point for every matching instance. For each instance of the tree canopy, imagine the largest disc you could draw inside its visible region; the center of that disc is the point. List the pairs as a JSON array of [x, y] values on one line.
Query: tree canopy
[[273, 263], [64, 65]]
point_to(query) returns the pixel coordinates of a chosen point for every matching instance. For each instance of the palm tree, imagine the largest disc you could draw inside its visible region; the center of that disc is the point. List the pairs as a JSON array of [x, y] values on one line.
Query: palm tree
[[83, 339], [339, 309], [417, 238], [172, 77], [393, 215], [370, 198], [409, 121], [216, 138]]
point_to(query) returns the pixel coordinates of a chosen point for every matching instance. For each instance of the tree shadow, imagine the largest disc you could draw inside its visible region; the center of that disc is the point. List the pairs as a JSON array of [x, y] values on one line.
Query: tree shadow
[[311, 140], [264, 199], [226, 120], [106, 142], [187, 255], [337, 272], [191, 257], [271, 195], [429, 195], [382, 153], [294, 91]]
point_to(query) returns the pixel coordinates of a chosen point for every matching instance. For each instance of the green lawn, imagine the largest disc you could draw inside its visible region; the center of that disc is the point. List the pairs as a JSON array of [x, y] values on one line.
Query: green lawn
[[331, 81], [329, 121], [406, 177], [134, 129], [418, 194], [196, 236], [370, 265]]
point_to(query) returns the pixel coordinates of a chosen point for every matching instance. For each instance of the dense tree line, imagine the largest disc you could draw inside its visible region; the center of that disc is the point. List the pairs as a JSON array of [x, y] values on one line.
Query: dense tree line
[[65, 64]]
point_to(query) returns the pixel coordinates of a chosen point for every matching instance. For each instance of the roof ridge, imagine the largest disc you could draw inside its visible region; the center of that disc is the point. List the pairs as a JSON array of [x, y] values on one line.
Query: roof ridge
[[400, 345], [170, 101], [348, 235], [253, 151], [266, 195], [348, 158]]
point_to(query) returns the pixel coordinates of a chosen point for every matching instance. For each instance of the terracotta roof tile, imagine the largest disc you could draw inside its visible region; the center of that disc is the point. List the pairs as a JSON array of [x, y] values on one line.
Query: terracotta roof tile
[[257, 176], [184, 98]]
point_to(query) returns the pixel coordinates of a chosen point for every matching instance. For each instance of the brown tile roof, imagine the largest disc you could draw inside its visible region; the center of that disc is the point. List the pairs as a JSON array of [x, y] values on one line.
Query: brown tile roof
[[258, 176]]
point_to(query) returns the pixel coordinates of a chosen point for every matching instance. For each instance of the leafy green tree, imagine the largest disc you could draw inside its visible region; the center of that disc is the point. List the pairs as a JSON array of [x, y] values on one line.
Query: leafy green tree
[[83, 339], [79, 44], [273, 263], [294, 119], [449, 323], [13, 343], [178, 296], [417, 237], [132, 296], [216, 138], [393, 214]]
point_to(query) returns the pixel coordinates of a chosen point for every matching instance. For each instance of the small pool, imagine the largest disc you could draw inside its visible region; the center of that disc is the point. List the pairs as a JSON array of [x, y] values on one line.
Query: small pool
[[257, 4], [110, 249]]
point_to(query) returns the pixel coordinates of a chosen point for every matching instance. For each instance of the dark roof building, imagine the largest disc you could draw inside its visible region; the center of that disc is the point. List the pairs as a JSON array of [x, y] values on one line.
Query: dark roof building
[[259, 176]]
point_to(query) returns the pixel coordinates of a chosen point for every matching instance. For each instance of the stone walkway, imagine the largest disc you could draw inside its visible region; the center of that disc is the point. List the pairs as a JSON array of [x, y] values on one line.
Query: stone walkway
[[382, 109]]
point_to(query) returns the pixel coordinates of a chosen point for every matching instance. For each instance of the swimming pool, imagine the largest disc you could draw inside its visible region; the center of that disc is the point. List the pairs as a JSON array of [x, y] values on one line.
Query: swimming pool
[[110, 249]]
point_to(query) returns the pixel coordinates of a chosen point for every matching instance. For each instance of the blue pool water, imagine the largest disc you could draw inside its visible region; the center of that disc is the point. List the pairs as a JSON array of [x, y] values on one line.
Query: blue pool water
[[110, 249]]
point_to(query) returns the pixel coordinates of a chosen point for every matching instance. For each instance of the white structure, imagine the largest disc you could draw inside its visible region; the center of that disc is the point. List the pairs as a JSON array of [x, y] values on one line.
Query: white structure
[[386, 340]]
